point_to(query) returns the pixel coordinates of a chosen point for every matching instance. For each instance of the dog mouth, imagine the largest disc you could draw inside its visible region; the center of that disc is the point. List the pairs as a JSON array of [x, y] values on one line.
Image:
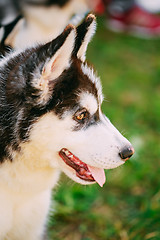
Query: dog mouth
[[83, 170]]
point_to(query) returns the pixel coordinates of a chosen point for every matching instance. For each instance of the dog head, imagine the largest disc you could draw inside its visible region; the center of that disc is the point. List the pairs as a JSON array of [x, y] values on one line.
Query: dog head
[[54, 101]]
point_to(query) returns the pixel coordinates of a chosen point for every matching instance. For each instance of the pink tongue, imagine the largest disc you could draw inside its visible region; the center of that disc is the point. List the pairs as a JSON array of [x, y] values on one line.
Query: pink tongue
[[98, 174]]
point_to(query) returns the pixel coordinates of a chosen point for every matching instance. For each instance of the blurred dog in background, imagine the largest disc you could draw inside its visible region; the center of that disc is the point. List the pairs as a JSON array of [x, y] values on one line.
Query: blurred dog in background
[[26, 22]]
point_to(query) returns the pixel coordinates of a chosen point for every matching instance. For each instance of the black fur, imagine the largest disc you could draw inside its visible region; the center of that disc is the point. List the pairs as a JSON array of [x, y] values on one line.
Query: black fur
[[19, 106], [17, 94], [81, 32], [70, 83]]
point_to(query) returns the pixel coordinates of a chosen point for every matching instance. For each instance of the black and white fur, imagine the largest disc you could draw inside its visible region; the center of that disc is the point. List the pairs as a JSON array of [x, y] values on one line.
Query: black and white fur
[[42, 90]]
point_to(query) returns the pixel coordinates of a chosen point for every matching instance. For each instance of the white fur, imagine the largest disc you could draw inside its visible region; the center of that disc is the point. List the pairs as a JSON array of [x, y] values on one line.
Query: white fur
[[88, 101], [96, 80], [25, 199], [23, 216], [26, 182]]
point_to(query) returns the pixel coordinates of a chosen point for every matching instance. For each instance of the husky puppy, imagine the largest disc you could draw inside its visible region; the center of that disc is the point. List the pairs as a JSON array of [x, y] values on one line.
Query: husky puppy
[[51, 121]]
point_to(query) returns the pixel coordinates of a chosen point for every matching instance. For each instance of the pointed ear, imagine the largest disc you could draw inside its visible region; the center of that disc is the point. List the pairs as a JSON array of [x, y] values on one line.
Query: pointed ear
[[61, 59], [56, 57], [85, 32]]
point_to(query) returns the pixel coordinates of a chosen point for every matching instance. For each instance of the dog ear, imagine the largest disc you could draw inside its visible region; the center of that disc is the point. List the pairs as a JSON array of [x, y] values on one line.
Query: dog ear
[[85, 32], [54, 57], [32, 72], [54, 66]]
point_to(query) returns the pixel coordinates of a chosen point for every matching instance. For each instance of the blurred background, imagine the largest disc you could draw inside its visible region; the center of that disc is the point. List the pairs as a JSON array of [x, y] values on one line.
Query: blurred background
[[128, 62], [128, 206]]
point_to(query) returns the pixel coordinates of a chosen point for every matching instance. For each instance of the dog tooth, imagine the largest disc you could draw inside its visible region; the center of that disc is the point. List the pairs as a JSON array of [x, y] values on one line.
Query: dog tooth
[[70, 155], [81, 165], [67, 152]]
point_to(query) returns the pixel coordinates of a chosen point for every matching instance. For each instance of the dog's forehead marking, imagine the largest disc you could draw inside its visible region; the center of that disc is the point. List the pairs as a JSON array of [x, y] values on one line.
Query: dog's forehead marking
[[94, 79], [88, 101]]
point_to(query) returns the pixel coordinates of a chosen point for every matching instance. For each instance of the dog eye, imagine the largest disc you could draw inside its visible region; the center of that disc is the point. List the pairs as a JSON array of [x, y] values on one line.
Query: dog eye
[[81, 116]]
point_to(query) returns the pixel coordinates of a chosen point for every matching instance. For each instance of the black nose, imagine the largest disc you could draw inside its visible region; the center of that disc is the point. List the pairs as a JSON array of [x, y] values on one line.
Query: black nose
[[126, 153]]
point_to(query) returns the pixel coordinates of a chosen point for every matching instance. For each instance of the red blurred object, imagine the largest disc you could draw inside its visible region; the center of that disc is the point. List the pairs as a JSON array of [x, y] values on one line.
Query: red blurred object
[[97, 6], [100, 8], [136, 21]]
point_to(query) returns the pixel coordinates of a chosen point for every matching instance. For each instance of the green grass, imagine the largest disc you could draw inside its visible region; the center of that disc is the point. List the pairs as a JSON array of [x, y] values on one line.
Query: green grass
[[128, 206]]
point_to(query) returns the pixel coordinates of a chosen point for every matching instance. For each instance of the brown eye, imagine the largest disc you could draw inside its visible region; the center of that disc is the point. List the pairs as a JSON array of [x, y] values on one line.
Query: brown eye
[[81, 116]]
